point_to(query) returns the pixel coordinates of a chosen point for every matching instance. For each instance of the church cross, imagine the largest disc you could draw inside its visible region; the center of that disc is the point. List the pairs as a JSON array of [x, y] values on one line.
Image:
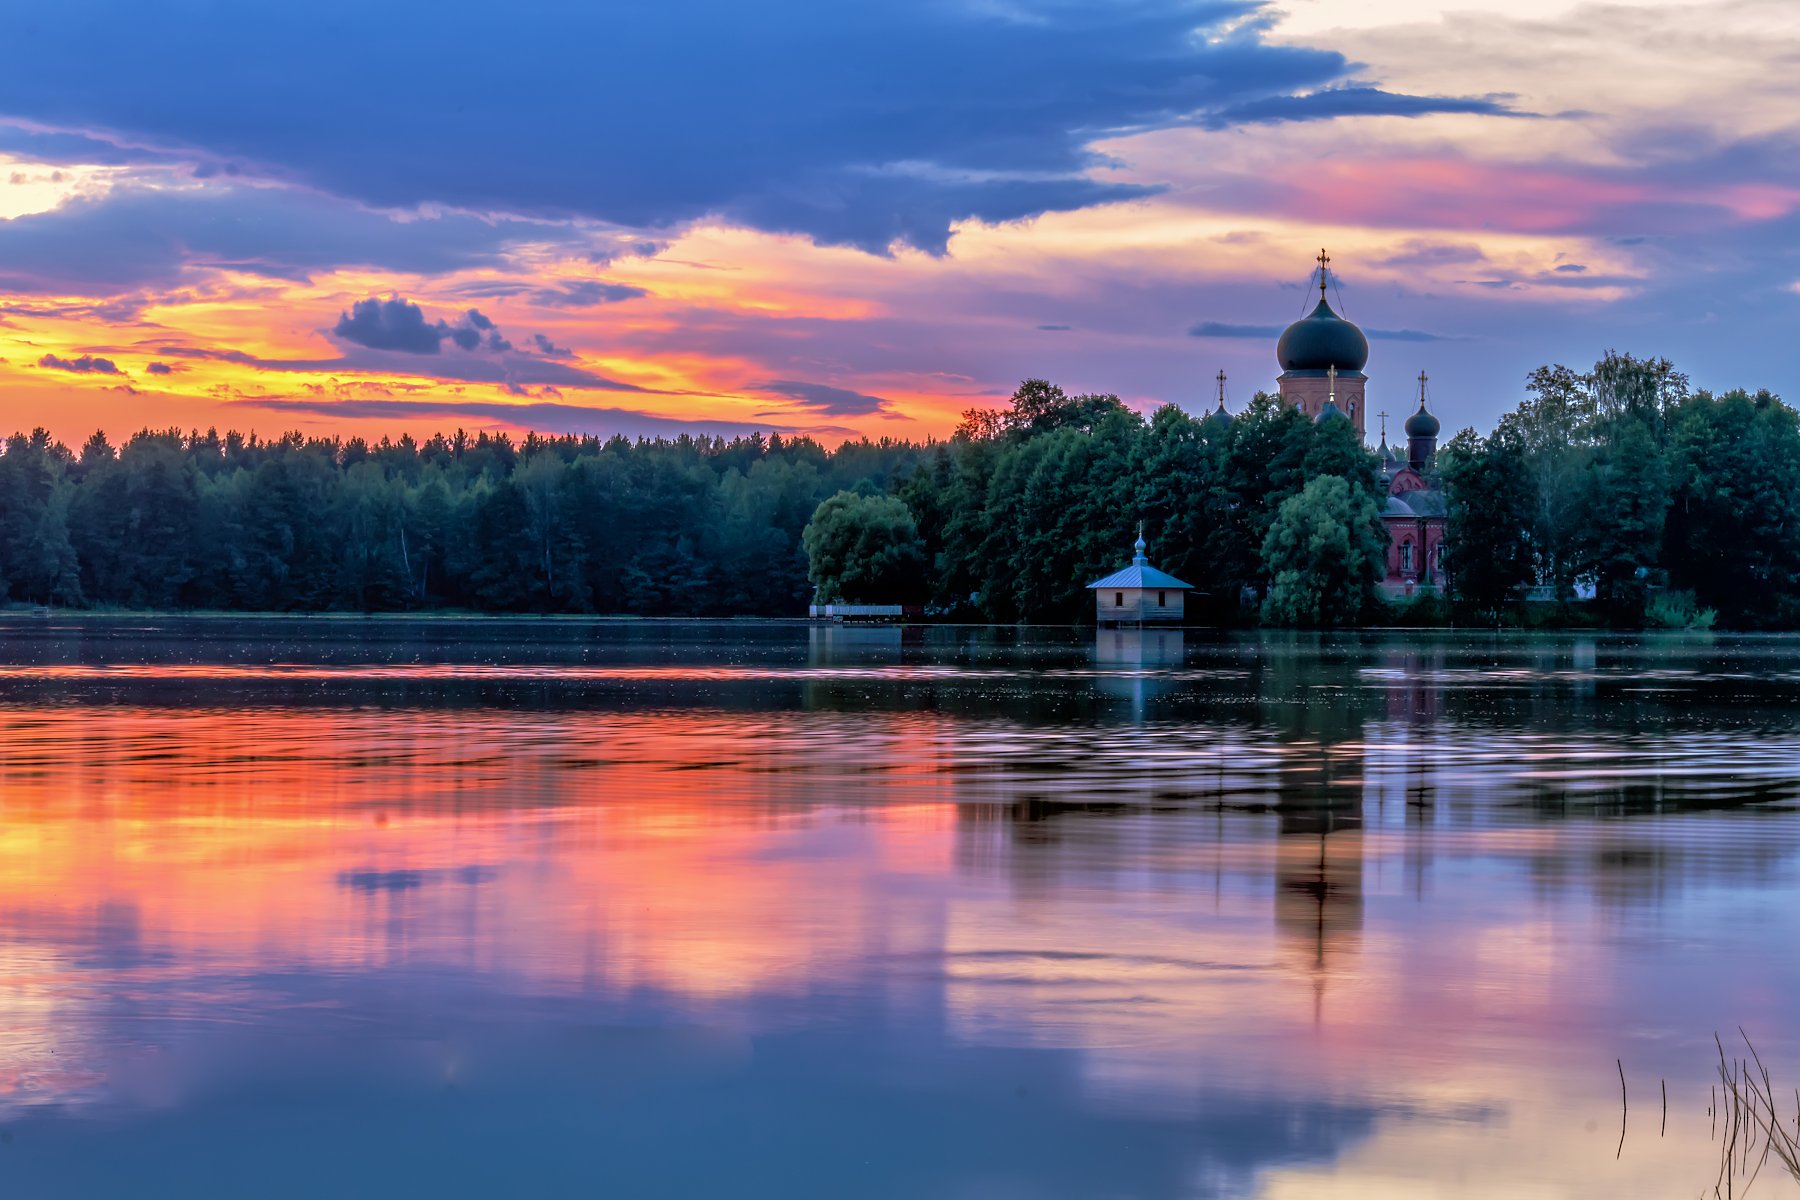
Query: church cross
[[1324, 261], [1422, 378], [1383, 415], [1221, 387]]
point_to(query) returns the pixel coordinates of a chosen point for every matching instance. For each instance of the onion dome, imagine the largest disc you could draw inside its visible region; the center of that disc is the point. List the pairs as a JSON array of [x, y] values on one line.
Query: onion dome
[[1422, 424], [1322, 340], [1329, 411], [1219, 414]]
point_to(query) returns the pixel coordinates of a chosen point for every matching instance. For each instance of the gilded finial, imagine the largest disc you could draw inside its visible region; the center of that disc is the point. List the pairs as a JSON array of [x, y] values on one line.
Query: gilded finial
[[1221, 387], [1331, 374], [1422, 378], [1324, 261], [1383, 415]]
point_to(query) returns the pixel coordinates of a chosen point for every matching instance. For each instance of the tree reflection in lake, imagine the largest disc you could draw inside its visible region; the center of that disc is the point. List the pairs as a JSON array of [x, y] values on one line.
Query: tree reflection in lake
[[364, 907]]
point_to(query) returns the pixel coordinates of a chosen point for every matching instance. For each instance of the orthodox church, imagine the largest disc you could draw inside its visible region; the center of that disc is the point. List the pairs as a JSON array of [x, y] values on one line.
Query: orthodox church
[[1322, 357]]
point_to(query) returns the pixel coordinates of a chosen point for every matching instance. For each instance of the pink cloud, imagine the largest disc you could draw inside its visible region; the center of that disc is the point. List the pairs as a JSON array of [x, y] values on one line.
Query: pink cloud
[[1446, 193]]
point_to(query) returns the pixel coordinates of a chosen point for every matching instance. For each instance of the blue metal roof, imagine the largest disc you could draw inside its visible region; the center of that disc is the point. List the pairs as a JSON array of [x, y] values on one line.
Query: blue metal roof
[[1140, 575]]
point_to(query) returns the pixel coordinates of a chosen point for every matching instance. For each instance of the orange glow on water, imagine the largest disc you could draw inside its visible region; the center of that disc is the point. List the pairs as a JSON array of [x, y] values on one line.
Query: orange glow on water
[[720, 860]]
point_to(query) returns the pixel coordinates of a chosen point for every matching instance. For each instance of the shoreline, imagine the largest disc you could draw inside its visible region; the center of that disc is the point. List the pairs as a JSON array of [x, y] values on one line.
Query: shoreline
[[14, 616]]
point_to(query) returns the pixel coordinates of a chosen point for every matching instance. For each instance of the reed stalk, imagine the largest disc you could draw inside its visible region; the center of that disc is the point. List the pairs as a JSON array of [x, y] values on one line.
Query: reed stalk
[[1749, 1123]]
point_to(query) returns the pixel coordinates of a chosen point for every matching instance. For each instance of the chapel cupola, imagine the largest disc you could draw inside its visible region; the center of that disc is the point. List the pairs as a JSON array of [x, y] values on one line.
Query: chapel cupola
[[1421, 432], [1219, 414]]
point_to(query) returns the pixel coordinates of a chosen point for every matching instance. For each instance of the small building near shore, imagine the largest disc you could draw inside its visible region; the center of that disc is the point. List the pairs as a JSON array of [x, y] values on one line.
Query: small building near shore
[[1140, 594]]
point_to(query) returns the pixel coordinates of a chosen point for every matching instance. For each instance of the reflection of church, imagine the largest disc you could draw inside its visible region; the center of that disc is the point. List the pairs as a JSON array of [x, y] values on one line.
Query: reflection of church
[[1322, 358]]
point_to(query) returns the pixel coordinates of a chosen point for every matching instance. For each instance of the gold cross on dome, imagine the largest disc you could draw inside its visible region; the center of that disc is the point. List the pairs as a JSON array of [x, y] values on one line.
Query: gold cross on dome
[[1324, 261], [1422, 378], [1221, 387], [1383, 415]]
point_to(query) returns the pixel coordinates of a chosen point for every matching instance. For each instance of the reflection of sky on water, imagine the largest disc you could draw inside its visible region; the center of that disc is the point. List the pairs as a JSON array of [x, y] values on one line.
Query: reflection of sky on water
[[1298, 918]]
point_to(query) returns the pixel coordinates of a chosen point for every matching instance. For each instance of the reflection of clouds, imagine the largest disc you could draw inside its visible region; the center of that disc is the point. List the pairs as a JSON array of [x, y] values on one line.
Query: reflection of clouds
[[1289, 912], [45, 1055]]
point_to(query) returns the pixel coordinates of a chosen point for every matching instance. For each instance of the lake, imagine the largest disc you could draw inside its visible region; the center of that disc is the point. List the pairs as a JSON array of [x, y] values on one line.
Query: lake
[[322, 907]]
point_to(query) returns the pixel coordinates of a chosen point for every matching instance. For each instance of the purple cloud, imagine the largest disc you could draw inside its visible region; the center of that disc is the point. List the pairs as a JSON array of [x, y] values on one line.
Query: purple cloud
[[87, 364]]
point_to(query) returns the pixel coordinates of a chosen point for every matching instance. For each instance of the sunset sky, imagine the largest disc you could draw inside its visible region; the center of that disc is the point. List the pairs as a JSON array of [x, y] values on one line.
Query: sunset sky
[[863, 218]]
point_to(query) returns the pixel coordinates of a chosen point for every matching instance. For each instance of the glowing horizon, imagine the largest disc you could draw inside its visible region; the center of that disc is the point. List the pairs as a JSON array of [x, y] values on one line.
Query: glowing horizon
[[882, 261]]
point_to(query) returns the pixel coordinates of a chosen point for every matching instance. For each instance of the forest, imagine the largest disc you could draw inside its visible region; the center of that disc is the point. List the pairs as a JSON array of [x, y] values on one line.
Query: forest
[[1663, 504]]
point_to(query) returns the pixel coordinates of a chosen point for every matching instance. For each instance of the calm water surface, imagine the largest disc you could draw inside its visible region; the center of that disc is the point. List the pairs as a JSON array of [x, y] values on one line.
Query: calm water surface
[[339, 908]]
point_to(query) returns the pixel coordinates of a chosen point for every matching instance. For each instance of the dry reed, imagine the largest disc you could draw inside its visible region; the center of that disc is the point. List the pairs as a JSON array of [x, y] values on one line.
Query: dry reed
[[1749, 1125]]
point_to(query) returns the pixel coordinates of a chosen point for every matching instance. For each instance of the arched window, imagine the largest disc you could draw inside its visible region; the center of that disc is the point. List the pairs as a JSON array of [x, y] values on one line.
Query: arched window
[[1406, 557]]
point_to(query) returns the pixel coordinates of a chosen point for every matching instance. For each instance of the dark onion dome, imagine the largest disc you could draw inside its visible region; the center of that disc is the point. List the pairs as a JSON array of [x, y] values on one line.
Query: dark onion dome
[[1422, 424], [1322, 340], [1219, 414], [1329, 411]]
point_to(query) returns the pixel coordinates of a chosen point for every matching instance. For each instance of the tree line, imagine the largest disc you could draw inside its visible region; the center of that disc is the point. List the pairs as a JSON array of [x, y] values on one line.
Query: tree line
[[1623, 482], [1618, 480], [690, 526]]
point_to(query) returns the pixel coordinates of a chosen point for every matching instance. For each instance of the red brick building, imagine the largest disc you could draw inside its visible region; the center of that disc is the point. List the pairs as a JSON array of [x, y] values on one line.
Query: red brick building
[[1322, 358], [1415, 512]]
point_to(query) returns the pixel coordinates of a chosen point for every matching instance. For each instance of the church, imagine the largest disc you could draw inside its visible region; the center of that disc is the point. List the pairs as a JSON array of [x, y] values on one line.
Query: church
[[1322, 357]]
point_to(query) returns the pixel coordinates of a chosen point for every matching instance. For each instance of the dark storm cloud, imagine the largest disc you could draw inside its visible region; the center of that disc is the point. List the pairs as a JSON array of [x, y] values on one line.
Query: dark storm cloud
[[864, 124], [160, 368], [87, 364], [391, 324], [138, 237], [474, 331], [822, 398], [1354, 102]]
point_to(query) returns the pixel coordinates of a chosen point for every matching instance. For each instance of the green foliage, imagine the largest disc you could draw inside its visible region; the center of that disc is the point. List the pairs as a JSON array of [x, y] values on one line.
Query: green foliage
[[1324, 553], [1677, 610], [1039, 407], [37, 559], [863, 550], [1425, 610], [1733, 530], [1623, 511], [1336, 449], [570, 524], [1623, 479], [1618, 477], [1487, 489]]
